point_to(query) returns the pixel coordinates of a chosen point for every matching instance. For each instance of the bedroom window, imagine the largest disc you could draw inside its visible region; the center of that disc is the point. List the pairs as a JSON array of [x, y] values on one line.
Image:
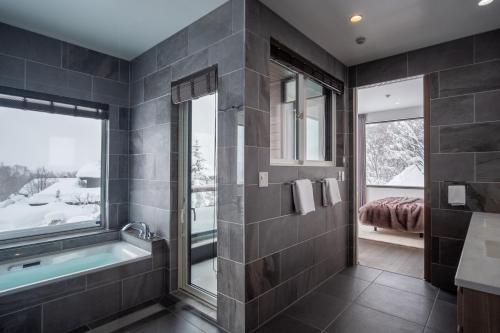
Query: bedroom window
[[395, 153], [301, 118], [52, 167]]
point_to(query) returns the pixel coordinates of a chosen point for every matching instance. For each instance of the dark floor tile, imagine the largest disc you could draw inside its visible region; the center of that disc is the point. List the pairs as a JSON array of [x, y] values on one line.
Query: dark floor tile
[[317, 309], [189, 314], [362, 272], [447, 296], [430, 330], [399, 303], [406, 283], [344, 286], [164, 323], [362, 319], [286, 324], [443, 317]]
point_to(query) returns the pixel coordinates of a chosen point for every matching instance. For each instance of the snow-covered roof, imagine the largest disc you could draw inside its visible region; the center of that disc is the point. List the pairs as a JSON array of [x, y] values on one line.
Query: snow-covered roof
[[90, 170], [410, 176], [66, 190]]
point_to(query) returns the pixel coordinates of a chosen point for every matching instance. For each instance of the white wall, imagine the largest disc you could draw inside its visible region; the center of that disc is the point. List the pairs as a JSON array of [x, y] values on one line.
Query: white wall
[[375, 193], [396, 114]]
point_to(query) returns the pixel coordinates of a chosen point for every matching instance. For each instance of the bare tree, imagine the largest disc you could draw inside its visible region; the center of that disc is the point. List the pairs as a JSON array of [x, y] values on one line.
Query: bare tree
[[391, 147], [41, 179]]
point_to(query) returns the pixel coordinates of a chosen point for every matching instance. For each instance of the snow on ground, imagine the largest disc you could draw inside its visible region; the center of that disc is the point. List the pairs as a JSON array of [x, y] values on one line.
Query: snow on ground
[[65, 201], [21, 215], [410, 176], [67, 190]]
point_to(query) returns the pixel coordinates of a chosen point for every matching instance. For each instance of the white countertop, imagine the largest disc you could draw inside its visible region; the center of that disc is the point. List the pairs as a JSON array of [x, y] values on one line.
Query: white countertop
[[479, 266]]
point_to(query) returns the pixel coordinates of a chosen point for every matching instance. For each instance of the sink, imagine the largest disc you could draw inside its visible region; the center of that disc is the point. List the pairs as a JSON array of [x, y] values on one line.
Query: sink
[[492, 248]]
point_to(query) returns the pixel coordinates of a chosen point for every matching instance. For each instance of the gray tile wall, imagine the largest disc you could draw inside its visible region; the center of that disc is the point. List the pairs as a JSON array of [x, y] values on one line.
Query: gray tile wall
[[39, 63], [77, 302], [464, 127], [286, 255], [215, 39]]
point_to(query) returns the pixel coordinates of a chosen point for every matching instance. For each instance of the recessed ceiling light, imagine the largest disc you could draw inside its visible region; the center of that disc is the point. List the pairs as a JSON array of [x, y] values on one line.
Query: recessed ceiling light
[[397, 103], [356, 17], [484, 2]]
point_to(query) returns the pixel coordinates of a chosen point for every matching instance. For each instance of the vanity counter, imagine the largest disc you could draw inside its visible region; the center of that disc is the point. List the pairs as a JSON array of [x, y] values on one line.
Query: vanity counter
[[479, 267]]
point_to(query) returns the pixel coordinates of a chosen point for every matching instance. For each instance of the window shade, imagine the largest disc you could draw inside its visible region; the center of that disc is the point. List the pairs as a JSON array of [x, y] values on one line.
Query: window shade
[[35, 101], [194, 86], [287, 57]]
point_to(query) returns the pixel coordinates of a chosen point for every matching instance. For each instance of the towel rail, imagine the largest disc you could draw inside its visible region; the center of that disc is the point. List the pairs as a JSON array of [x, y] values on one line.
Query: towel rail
[[312, 181]]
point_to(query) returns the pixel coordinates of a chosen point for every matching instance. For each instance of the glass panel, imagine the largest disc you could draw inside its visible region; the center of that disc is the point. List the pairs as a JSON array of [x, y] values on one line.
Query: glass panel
[[50, 172], [283, 126], [395, 153], [316, 121], [202, 212]]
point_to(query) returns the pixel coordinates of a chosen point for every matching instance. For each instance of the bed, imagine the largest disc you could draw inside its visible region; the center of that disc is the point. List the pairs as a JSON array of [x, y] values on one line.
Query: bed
[[396, 213]]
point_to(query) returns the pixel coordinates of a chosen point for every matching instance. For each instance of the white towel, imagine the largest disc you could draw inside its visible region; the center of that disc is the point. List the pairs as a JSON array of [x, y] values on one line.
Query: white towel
[[456, 195], [303, 196], [331, 192]]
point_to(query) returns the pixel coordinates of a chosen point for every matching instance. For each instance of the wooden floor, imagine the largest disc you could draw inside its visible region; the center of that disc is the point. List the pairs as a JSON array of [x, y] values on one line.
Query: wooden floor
[[390, 257]]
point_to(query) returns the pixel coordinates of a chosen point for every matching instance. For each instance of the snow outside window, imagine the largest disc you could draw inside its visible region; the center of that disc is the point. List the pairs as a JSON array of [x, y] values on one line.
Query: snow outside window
[[395, 153], [50, 172]]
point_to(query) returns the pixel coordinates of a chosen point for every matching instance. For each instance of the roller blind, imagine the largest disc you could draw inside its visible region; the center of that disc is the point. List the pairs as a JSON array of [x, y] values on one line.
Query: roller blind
[[194, 86], [36, 101], [289, 58]]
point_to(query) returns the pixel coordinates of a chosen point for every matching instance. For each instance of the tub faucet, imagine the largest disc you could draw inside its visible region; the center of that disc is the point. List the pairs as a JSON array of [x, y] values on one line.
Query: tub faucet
[[143, 228]]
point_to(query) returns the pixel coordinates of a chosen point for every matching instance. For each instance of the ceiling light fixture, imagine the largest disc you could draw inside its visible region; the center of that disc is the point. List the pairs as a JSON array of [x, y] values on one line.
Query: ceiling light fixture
[[484, 2], [360, 40], [357, 18]]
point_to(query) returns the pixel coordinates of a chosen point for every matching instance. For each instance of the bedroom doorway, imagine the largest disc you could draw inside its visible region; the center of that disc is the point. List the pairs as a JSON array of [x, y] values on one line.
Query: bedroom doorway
[[390, 184]]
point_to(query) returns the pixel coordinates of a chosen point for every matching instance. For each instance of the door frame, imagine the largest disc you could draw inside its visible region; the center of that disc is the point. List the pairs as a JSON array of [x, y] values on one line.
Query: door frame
[[427, 178], [184, 211]]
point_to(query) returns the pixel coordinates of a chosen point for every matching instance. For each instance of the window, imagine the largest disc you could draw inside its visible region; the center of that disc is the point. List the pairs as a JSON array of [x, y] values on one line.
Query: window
[[395, 153], [301, 117], [51, 171]]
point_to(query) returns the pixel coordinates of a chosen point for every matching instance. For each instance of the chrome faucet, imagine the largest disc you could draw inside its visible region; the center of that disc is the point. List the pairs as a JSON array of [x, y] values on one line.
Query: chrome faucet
[[143, 228]]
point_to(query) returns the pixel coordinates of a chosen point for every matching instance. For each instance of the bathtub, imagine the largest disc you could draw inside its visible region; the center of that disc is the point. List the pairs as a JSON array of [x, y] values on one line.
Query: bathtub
[[17, 275]]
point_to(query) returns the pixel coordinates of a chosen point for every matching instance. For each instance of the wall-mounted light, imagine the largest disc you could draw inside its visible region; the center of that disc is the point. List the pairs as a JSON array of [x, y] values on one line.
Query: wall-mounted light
[[484, 2], [357, 18]]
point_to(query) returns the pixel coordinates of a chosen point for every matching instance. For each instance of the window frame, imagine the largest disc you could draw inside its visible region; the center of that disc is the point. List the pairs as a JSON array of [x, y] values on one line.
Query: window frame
[[330, 124], [73, 106], [385, 122]]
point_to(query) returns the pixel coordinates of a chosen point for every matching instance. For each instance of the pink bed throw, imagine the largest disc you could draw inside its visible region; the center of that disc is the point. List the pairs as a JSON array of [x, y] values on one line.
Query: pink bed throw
[[398, 213]]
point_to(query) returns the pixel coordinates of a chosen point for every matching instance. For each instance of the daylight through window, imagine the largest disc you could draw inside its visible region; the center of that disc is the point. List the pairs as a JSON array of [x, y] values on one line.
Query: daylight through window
[[301, 117], [50, 172], [395, 153]]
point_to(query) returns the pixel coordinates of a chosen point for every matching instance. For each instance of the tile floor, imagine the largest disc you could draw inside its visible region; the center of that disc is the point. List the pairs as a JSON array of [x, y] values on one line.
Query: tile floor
[[358, 299], [391, 257], [363, 299]]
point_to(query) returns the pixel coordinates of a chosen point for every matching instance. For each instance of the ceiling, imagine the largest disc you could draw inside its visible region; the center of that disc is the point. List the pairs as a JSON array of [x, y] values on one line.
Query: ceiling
[[402, 95], [390, 26], [123, 28]]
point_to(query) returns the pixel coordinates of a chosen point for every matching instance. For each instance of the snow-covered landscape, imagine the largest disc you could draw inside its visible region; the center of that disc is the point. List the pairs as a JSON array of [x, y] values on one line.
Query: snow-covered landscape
[[395, 153], [50, 170], [66, 200]]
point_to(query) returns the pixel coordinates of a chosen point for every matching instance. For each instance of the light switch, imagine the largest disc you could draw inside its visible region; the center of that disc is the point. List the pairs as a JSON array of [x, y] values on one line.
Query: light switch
[[263, 179]]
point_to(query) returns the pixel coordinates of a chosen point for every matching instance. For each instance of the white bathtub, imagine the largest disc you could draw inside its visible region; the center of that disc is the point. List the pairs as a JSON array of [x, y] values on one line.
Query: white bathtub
[[34, 271]]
